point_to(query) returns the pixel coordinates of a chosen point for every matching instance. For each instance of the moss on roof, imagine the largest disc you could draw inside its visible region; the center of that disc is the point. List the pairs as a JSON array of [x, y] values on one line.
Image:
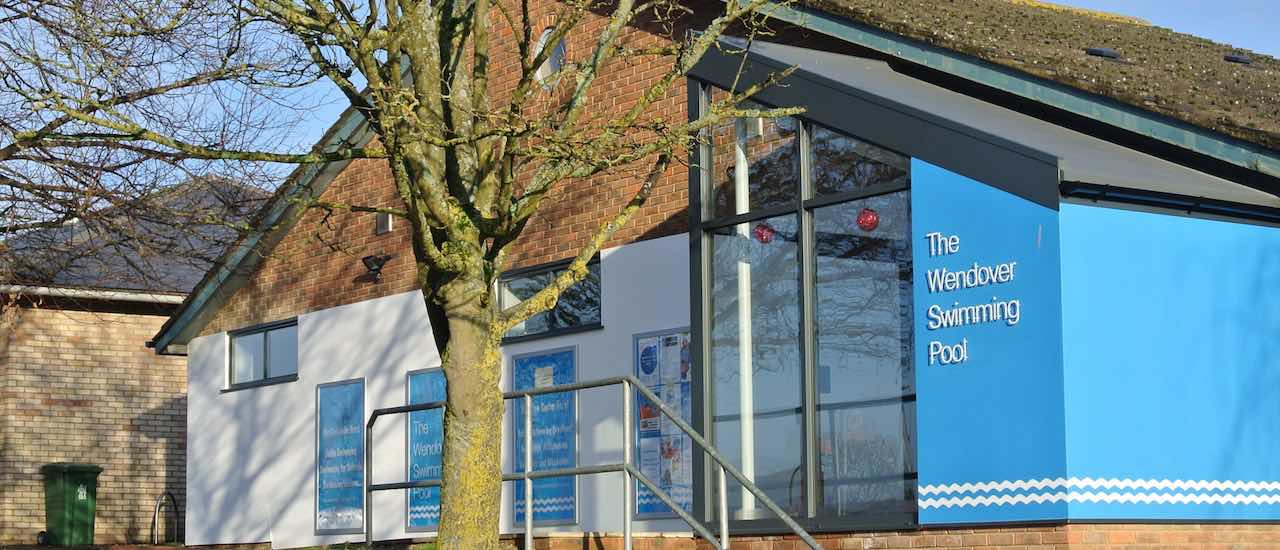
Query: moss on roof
[[1174, 74]]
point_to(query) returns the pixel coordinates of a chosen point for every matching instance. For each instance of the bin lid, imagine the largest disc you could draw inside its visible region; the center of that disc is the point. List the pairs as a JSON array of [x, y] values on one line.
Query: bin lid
[[62, 467]]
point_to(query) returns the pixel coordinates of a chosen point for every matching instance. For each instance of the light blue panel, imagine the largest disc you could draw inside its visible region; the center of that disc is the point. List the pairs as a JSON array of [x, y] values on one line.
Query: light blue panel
[[425, 448], [1172, 359], [340, 457], [994, 420], [555, 499]]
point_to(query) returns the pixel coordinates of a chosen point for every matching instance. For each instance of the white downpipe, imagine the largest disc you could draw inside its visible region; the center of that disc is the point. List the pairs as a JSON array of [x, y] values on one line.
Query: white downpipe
[[93, 294], [746, 392]]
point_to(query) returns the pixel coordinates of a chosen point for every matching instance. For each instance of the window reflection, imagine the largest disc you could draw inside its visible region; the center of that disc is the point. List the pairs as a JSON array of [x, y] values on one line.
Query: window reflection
[[767, 150], [842, 163], [864, 347], [755, 354]]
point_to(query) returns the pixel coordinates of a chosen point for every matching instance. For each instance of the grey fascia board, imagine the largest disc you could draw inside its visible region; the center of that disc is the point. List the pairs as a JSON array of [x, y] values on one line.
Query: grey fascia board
[[1152, 125], [1024, 171]]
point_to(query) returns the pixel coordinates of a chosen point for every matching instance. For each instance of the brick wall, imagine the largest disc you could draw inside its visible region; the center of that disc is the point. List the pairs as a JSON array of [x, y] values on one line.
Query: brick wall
[[316, 265], [80, 386], [1042, 537]]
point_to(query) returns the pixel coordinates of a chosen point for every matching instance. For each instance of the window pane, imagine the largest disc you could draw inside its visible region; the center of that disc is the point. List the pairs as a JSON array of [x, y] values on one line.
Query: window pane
[[578, 306], [246, 357], [769, 151], [755, 360], [864, 355], [282, 351], [842, 163]]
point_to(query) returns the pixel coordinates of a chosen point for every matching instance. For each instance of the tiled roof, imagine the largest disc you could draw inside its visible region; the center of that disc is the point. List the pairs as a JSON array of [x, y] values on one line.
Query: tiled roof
[[165, 245], [1174, 74]]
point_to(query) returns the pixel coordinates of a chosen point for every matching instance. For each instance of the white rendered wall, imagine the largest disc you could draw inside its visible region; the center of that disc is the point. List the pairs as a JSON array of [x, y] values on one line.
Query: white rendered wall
[[251, 453]]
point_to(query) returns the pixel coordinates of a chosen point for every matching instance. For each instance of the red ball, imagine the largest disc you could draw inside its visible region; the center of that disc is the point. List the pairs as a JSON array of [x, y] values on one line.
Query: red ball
[[763, 232], [868, 219]]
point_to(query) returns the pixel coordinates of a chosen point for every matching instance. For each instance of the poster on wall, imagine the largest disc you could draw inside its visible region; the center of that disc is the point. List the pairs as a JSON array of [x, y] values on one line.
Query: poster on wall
[[425, 448], [340, 457], [664, 452], [554, 435]]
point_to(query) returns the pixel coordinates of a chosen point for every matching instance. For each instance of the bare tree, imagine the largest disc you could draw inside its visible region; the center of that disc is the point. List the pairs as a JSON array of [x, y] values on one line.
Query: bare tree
[[123, 88]]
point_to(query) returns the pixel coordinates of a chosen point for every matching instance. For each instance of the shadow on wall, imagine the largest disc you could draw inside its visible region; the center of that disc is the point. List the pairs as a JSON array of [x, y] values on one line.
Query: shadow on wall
[[161, 447], [253, 464], [1249, 337]]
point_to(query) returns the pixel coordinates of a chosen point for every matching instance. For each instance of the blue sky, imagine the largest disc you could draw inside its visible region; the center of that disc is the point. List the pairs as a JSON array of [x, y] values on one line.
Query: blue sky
[[1250, 24]]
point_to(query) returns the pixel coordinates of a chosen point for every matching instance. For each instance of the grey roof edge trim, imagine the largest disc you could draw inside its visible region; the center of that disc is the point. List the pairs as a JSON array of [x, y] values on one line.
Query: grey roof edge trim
[[238, 262], [1024, 171], [1152, 125], [143, 296]]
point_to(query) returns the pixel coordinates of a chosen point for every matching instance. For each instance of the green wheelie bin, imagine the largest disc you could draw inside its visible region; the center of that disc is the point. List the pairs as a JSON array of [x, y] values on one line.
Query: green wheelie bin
[[70, 497]]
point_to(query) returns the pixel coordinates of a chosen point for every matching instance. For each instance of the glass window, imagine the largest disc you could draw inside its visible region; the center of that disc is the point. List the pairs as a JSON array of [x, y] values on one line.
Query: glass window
[[810, 294], [577, 308], [264, 354], [757, 379], [842, 164], [756, 165], [548, 71], [863, 334]]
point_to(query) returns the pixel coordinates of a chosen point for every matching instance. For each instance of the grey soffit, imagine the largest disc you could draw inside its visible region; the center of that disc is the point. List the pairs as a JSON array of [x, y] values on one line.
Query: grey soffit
[[1082, 157]]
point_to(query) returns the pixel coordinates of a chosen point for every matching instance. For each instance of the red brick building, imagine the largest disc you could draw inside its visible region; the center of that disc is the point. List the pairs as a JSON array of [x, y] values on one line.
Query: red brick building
[[794, 282]]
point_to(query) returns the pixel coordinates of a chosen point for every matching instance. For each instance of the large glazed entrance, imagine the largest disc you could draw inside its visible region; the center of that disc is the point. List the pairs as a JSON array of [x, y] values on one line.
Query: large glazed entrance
[[806, 318]]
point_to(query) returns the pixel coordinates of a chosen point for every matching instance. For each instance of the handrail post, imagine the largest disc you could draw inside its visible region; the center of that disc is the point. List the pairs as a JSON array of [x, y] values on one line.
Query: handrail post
[[724, 510], [627, 485], [368, 475], [528, 467]]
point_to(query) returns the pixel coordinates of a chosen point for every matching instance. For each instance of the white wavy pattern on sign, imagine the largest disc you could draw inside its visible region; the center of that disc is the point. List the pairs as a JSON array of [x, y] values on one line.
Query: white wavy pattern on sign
[[1099, 490], [1101, 483], [546, 505]]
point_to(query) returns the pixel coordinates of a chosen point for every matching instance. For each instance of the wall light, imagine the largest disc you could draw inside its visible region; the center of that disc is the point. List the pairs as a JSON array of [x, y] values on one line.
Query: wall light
[[373, 264]]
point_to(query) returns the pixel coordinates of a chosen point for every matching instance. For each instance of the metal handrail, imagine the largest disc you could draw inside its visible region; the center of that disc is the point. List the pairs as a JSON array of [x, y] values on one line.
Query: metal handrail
[[155, 516], [629, 471]]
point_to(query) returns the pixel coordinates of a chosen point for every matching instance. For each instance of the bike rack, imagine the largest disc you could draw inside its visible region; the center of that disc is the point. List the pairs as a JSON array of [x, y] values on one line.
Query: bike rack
[[629, 472], [155, 517]]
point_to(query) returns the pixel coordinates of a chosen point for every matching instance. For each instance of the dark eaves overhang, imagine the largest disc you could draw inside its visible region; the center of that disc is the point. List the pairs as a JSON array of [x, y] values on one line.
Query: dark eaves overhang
[[277, 216], [1184, 143]]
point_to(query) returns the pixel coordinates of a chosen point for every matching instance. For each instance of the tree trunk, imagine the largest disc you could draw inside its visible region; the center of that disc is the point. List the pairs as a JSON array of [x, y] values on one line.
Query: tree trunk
[[471, 491]]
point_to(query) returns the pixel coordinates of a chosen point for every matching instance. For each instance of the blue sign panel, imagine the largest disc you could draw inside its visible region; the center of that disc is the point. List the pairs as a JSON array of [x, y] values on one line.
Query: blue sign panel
[[988, 350], [425, 447], [665, 453], [1171, 328], [554, 432], [340, 457]]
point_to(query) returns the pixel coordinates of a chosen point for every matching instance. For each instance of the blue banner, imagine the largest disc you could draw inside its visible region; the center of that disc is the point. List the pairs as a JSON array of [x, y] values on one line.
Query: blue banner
[[340, 457], [425, 447], [554, 430], [664, 452], [988, 349]]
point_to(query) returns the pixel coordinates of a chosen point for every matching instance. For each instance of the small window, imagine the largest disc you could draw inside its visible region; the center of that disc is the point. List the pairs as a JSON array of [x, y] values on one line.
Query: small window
[[577, 309], [546, 73], [264, 354]]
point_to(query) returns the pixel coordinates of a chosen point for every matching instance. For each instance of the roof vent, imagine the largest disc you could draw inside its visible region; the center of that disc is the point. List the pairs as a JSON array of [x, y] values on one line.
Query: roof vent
[[1103, 52], [1237, 58]]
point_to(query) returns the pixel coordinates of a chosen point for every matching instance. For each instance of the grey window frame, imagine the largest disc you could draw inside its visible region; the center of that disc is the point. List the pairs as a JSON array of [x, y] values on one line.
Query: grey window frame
[[806, 201], [548, 268], [263, 328], [993, 160]]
